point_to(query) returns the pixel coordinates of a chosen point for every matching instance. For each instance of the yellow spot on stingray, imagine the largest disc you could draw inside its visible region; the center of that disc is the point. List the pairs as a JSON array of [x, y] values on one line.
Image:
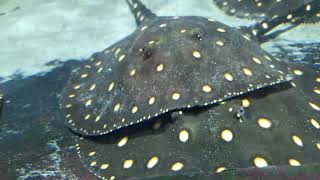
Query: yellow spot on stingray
[[71, 95], [177, 166], [176, 96], [93, 163], [144, 28], [318, 79], [76, 87], [318, 145], [183, 136], [265, 25], [227, 135], [245, 103], [297, 72], [116, 107], [88, 103], [97, 118], [183, 31], [294, 162], [221, 30], [132, 72], [84, 75], [152, 99], [196, 54], [127, 164], [104, 166], [220, 169], [111, 85], [297, 140], [228, 77], [316, 90], [123, 141], [92, 87], [247, 71], [206, 89], [220, 43], [314, 106], [152, 162], [163, 25], [134, 109], [256, 60], [121, 57], [260, 162], [264, 123], [68, 106], [92, 153], [87, 116], [160, 67], [315, 123]]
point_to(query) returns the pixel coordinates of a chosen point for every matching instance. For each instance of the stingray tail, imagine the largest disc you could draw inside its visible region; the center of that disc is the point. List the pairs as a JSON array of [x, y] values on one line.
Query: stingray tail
[[296, 17], [140, 11]]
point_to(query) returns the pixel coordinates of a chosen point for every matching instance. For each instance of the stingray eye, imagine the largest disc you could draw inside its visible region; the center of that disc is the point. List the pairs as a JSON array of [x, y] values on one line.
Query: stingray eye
[[145, 53]]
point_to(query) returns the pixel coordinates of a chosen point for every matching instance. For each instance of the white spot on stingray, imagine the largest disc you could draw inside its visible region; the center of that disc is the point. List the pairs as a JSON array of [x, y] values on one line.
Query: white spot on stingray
[[228, 77], [256, 60], [111, 85], [264, 123], [247, 71], [196, 54], [206, 88], [297, 140], [260, 162], [220, 169], [294, 162], [176, 96], [177, 166], [227, 135], [221, 30], [127, 164], [183, 136], [160, 68], [152, 99], [315, 123], [123, 141], [152, 162], [134, 109], [104, 166]]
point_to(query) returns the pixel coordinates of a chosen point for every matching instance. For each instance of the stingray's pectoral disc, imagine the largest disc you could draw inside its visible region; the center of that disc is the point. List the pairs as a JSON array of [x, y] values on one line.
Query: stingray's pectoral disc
[[280, 128], [166, 64], [1, 100]]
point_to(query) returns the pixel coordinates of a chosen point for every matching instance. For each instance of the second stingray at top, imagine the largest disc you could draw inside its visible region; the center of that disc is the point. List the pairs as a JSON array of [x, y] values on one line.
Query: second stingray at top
[[166, 64]]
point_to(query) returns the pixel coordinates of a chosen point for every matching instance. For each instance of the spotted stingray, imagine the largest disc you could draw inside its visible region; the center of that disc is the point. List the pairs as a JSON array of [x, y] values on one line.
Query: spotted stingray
[[1, 99], [167, 64], [190, 95], [274, 126], [260, 9]]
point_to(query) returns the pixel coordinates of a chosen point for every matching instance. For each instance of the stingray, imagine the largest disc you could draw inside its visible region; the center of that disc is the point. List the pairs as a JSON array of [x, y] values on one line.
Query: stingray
[[1, 101], [274, 126], [188, 95], [167, 64], [260, 9]]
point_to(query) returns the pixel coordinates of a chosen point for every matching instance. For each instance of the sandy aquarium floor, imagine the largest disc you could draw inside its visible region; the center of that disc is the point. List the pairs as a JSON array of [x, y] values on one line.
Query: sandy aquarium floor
[[35, 32]]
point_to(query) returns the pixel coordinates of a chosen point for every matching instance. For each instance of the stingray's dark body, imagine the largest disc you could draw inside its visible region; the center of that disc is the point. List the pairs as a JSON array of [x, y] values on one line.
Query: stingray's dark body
[[261, 9], [197, 99], [188, 95]]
